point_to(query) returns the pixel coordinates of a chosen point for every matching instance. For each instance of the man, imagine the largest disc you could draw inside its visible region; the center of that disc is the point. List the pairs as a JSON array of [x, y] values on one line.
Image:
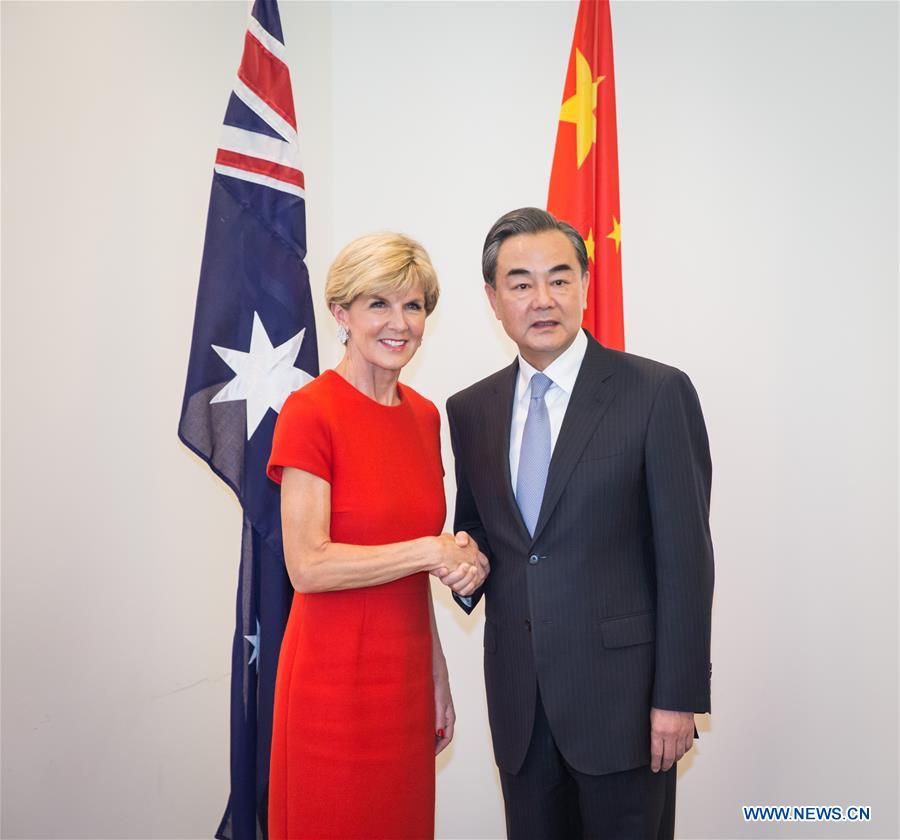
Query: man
[[583, 474]]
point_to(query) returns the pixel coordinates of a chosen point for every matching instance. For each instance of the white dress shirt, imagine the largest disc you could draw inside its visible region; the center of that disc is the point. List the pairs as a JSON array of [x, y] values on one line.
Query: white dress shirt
[[563, 371]]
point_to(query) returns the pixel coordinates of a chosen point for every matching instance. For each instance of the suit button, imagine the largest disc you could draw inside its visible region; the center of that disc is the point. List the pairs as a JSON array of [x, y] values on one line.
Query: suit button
[[533, 560], [528, 624]]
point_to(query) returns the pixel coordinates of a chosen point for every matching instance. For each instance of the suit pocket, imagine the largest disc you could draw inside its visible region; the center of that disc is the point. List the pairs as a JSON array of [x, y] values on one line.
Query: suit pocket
[[490, 637], [635, 629]]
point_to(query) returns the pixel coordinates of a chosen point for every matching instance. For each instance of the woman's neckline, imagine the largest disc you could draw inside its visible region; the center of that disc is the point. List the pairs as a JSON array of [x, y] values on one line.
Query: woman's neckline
[[400, 394]]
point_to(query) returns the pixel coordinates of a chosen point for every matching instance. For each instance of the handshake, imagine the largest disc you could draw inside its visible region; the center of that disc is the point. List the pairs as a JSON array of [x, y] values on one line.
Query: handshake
[[458, 563]]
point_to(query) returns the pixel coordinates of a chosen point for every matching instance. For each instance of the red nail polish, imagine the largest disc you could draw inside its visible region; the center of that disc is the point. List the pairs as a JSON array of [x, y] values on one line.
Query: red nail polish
[[440, 733]]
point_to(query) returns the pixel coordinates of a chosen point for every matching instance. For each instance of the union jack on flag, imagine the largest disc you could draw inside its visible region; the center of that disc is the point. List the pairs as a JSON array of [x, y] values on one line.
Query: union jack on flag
[[254, 342], [259, 138]]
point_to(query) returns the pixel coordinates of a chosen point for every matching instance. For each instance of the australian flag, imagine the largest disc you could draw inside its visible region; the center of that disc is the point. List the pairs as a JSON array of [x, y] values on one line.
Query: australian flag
[[254, 342]]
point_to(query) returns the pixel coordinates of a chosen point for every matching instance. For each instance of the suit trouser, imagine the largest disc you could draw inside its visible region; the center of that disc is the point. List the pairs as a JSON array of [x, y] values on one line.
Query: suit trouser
[[549, 800]]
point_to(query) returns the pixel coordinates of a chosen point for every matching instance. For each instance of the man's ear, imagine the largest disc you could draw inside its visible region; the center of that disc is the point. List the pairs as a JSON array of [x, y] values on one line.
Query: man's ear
[[586, 280], [491, 293]]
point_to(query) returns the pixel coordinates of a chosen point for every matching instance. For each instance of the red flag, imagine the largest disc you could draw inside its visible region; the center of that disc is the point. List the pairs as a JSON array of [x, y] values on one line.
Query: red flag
[[584, 183]]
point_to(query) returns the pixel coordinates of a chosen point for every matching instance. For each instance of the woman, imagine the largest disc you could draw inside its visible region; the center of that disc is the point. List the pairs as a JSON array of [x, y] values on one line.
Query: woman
[[362, 698]]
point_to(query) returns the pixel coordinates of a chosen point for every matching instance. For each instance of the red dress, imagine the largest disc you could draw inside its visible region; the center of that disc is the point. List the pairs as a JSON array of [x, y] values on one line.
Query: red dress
[[353, 730]]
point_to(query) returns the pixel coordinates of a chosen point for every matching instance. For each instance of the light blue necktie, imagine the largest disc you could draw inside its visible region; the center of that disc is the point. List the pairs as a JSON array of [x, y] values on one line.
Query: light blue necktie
[[534, 457]]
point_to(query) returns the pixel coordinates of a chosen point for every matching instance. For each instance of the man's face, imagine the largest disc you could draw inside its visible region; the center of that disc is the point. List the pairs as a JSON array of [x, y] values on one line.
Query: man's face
[[540, 294]]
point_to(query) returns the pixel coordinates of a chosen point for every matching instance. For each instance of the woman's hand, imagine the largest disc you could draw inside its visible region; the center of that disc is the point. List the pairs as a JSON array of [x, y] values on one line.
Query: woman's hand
[[444, 713], [449, 553], [468, 576]]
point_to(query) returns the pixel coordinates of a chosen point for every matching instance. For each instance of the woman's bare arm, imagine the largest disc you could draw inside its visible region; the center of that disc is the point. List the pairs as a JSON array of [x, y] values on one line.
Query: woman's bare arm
[[316, 564], [444, 713]]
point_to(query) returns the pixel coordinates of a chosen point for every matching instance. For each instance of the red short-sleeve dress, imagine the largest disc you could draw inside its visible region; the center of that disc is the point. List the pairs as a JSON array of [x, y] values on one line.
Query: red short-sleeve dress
[[353, 730]]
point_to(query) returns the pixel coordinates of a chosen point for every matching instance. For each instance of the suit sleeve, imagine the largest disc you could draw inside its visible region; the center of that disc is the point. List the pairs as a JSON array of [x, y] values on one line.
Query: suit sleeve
[[679, 475], [465, 515]]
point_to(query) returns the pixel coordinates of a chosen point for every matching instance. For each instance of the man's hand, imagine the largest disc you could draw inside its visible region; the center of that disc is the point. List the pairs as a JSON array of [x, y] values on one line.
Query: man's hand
[[671, 736], [466, 578]]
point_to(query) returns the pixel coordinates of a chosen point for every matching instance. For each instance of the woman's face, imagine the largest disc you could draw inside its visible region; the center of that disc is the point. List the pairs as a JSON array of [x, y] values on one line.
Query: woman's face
[[386, 329]]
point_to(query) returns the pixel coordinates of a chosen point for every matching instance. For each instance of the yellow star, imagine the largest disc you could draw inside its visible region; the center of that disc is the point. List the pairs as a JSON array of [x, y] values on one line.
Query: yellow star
[[616, 233], [589, 243], [579, 108]]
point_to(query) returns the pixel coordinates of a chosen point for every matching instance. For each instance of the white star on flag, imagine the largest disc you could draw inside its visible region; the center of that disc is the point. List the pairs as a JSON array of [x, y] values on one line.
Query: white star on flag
[[265, 375], [254, 640]]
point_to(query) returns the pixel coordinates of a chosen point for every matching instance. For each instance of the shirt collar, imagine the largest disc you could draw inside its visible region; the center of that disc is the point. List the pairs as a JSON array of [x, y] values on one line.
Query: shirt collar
[[563, 370]]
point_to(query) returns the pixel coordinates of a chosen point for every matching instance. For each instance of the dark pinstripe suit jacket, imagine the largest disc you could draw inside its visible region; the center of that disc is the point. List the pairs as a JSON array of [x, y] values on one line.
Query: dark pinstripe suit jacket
[[608, 606]]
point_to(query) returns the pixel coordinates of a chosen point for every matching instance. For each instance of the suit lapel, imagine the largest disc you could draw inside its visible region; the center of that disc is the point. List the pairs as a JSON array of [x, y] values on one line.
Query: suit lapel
[[590, 398], [497, 431]]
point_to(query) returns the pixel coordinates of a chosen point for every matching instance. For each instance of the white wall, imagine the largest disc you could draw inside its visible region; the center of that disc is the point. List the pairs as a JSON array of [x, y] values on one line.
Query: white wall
[[758, 160]]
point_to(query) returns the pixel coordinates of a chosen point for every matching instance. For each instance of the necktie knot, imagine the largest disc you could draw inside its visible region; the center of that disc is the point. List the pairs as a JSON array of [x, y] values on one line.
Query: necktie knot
[[539, 385]]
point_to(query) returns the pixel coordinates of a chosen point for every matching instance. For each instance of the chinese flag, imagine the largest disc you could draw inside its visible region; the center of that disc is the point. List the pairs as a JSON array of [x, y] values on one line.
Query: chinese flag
[[584, 183]]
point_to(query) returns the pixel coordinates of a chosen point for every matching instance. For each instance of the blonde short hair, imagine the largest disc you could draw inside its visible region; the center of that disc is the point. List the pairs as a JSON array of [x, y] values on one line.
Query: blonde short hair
[[379, 263]]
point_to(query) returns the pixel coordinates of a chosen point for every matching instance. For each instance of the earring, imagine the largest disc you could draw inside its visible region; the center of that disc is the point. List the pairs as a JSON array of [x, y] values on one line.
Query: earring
[[343, 335]]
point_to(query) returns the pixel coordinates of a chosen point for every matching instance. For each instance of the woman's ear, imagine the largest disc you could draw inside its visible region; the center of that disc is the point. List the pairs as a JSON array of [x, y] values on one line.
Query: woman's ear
[[340, 314]]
